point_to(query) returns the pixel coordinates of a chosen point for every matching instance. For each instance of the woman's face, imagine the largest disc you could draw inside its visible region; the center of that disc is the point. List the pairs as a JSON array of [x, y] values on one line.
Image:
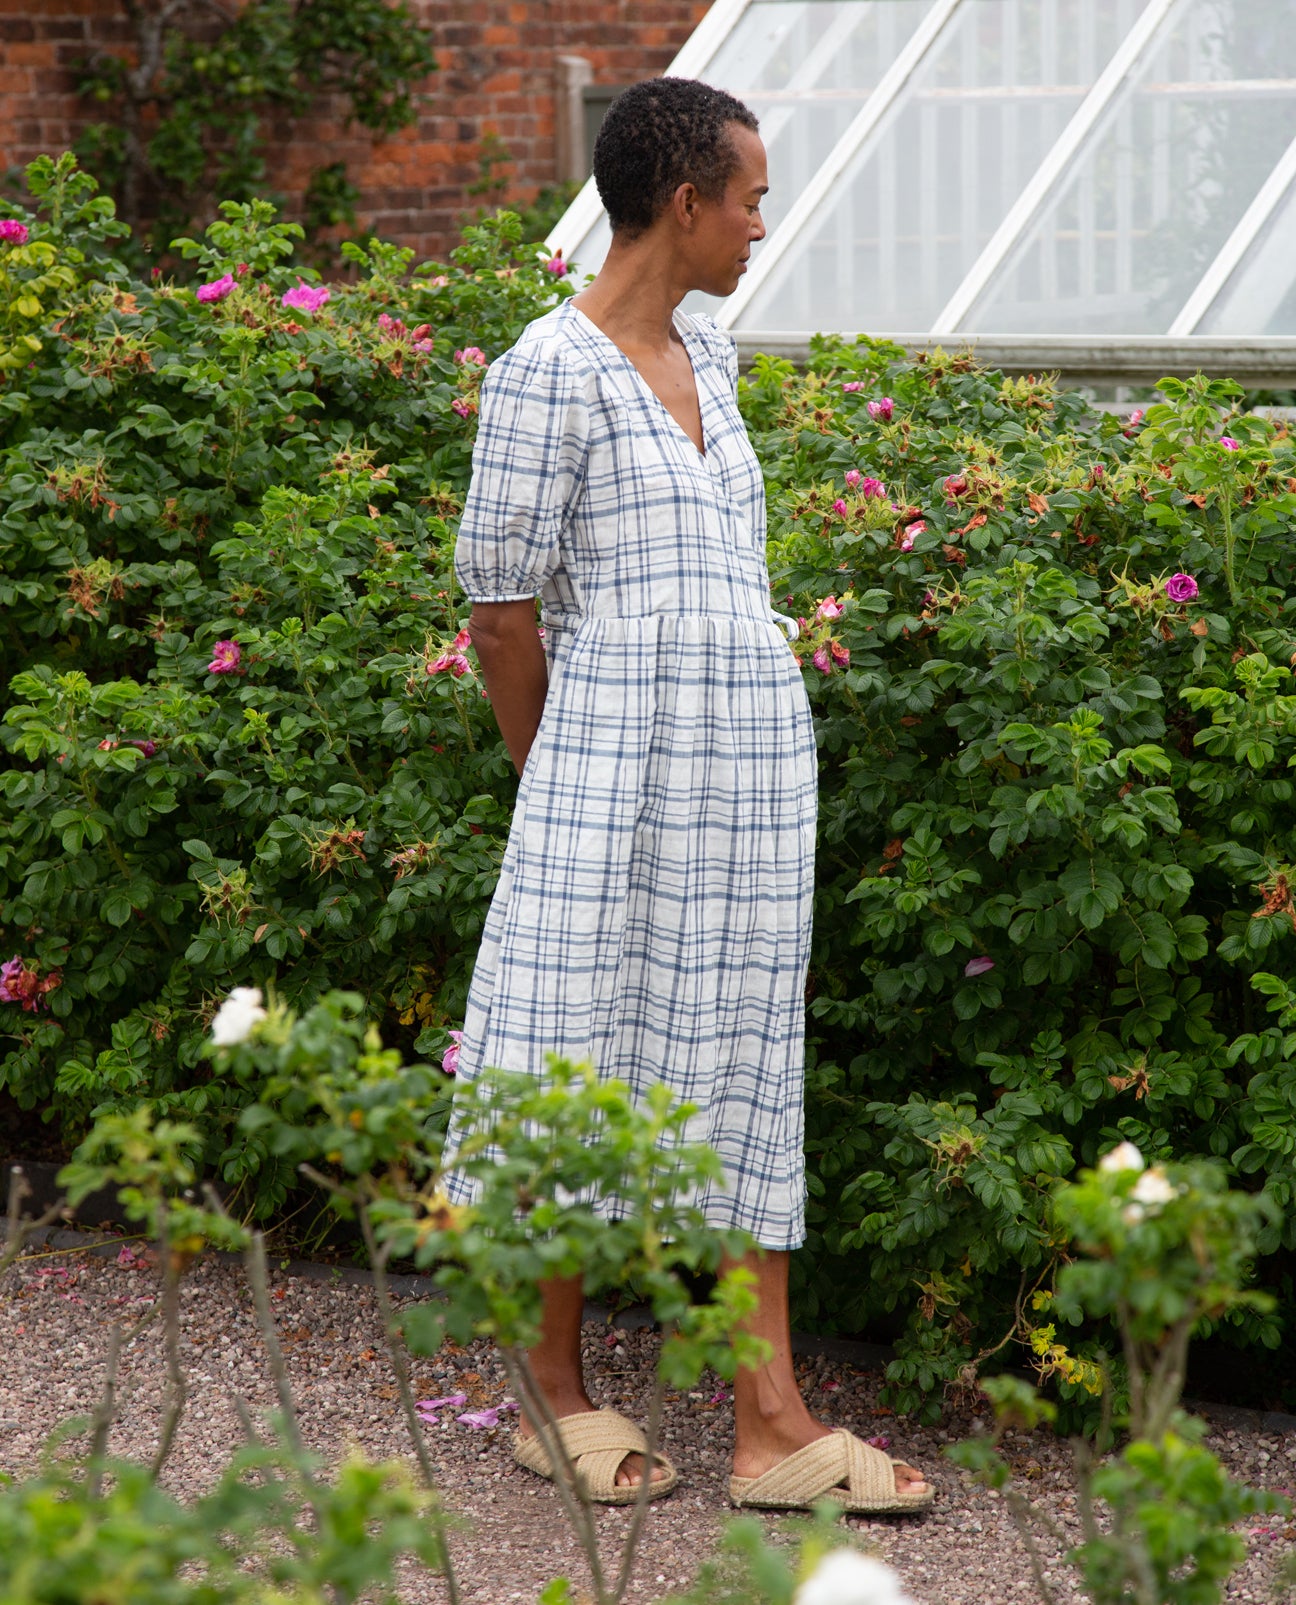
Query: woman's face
[[722, 232]]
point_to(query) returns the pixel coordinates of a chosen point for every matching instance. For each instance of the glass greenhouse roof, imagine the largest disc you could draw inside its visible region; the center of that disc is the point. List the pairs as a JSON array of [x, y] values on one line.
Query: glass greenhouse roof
[[1017, 169]]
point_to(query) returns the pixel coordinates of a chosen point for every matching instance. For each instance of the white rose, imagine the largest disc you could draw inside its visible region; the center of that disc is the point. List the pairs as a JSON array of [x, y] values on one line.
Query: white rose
[[1124, 1156], [1153, 1187], [235, 1018], [1147, 1195], [845, 1577]]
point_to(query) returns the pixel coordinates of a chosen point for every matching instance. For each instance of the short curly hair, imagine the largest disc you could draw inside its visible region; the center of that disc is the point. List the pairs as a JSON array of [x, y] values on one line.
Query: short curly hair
[[658, 135]]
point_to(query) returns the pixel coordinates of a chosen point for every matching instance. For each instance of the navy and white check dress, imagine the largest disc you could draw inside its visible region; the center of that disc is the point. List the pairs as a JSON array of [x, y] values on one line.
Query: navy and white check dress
[[653, 907]]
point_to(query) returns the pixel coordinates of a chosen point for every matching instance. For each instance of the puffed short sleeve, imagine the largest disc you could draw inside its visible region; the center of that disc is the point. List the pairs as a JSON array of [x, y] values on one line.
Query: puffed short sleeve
[[528, 473]]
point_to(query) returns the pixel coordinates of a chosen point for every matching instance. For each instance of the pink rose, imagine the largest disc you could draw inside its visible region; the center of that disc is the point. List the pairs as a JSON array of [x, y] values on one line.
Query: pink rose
[[853, 477], [872, 487], [471, 354], [823, 661], [852, 385], [1181, 588], [840, 508], [978, 966], [304, 298], [1229, 444], [881, 411], [450, 1058], [829, 608], [911, 534], [462, 407], [840, 654], [13, 231], [225, 658], [557, 266], [217, 290]]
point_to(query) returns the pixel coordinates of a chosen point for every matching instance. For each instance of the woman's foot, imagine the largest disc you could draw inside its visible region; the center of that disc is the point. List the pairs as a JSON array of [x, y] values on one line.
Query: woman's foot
[[569, 1402], [774, 1437]]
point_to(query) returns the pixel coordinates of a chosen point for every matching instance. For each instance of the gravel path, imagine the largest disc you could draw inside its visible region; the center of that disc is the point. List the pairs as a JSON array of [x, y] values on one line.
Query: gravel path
[[56, 1309]]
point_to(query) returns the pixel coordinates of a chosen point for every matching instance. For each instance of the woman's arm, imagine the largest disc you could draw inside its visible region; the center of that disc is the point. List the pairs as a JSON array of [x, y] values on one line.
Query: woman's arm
[[512, 661]]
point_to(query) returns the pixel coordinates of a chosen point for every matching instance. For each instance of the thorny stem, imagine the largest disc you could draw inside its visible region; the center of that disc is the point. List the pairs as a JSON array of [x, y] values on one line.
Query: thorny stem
[[396, 1354], [645, 1490], [255, 1262], [19, 1232], [463, 719], [105, 1413], [177, 1388], [571, 1491], [1022, 1510], [1226, 510]]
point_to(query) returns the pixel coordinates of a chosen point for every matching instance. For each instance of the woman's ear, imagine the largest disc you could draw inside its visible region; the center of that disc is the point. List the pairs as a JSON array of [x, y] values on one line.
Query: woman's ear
[[684, 204]]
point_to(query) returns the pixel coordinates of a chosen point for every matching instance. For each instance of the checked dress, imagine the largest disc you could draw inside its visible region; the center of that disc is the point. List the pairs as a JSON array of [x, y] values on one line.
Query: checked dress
[[653, 907]]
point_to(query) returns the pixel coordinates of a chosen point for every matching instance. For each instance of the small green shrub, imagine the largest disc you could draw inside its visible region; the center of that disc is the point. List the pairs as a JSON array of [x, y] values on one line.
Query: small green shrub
[[332, 1095], [1159, 1249]]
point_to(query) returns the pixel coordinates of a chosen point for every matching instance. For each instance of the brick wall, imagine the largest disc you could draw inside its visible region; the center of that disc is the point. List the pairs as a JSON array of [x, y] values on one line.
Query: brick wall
[[496, 75]]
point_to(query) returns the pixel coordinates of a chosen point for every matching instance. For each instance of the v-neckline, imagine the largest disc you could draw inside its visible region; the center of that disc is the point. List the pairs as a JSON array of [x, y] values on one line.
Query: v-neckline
[[702, 452]]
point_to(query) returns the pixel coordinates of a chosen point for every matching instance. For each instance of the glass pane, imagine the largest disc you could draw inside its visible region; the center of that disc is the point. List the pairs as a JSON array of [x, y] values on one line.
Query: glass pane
[[805, 69], [1161, 183], [1260, 297], [928, 188]]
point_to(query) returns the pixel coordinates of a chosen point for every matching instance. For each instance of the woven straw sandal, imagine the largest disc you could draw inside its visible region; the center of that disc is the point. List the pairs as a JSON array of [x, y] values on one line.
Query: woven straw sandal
[[842, 1468], [597, 1441]]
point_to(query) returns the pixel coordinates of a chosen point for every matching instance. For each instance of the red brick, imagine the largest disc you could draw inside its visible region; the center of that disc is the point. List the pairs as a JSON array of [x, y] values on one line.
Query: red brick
[[496, 72]]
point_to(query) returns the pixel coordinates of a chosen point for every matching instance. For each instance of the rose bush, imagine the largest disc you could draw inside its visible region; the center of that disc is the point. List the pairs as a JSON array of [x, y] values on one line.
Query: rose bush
[[243, 739], [1052, 686], [1048, 653]]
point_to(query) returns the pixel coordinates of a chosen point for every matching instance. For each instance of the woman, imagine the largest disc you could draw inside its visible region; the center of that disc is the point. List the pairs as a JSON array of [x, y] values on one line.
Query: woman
[[653, 909]]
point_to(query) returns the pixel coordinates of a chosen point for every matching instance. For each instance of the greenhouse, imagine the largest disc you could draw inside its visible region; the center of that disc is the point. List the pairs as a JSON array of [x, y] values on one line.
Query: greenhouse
[[1104, 186]]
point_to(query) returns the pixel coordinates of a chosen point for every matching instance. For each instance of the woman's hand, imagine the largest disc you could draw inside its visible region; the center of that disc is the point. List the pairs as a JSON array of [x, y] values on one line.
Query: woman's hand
[[512, 659]]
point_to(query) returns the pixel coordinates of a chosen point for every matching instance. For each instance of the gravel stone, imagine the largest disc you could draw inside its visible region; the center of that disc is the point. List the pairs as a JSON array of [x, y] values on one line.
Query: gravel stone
[[57, 1308]]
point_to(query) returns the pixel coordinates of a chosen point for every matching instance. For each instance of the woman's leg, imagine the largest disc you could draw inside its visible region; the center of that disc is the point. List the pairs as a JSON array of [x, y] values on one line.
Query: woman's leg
[[556, 1364], [771, 1420]]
